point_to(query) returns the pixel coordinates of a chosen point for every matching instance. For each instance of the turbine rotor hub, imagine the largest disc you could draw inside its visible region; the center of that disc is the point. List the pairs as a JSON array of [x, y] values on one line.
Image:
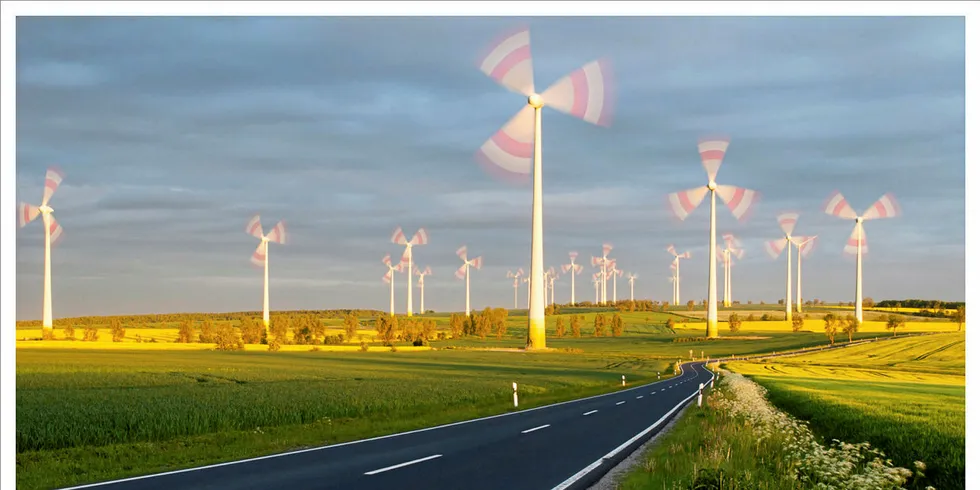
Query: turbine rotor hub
[[45, 209], [712, 185], [535, 101], [859, 219]]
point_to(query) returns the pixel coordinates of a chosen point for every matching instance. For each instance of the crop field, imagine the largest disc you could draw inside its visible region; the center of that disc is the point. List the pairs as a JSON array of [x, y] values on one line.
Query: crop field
[[905, 396]]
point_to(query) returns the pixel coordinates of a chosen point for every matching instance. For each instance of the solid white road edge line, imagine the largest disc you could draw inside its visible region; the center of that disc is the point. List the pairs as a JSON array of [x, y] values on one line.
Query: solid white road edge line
[[620, 403], [359, 441], [536, 428], [584, 471], [590, 413], [382, 470]]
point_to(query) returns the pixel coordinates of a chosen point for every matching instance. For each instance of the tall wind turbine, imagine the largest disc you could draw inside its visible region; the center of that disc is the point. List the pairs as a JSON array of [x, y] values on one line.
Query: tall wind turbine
[[389, 278], [52, 232], [595, 282], [804, 245], [549, 283], [885, 207], [732, 249], [572, 268], [515, 150], [673, 282], [787, 221], [614, 273], [677, 270], [422, 273], [738, 200], [632, 277], [261, 256], [421, 237], [517, 282], [464, 272], [603, 263]]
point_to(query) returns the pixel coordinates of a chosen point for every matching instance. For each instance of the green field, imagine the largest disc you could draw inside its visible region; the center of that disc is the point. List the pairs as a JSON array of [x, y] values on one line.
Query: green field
[[906, 397]]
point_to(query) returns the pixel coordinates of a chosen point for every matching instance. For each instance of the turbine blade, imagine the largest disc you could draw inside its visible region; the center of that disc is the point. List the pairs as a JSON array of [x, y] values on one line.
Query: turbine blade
[[671, 250], [885, 207], [26, 213], [461, 272], [397, 237], [278, 233], [836, 205], [775, 247], [738, 200], [738, 253], [852, 243], [387, 277], [506, 156], [254, 227], [808, 245], [477, 262], [52, 180], [508, 61], [421, 237], [573, 255], [685, 255], [461, 252], [258, 256], [386, 260], [566, 267], [428, 270], [787, 221], [578, 268], [520, 272], [586, 93], [712, 152], [404, 260], [55, 230], [596, 261], [683, 202], [606, 248]]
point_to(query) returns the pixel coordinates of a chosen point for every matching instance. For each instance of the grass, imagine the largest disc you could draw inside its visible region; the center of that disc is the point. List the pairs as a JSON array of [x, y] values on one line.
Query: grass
[[906, 397]]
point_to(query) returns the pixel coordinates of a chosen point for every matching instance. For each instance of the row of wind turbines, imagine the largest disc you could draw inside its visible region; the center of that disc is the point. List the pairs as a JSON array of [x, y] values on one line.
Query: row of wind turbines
[[514, 153]]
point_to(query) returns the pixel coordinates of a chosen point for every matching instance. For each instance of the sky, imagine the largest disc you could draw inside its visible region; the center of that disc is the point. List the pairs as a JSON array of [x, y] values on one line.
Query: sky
[[172, 132]]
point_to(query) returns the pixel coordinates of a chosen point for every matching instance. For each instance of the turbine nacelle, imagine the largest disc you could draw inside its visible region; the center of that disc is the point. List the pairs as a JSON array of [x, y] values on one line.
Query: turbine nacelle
[[712, 185], [535, 101], [45, 209]]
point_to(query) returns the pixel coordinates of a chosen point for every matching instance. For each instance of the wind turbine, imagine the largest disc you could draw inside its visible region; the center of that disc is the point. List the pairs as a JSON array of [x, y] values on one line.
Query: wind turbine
[[673, 281], [52, 232], [614, 273], [632, 277], [885, 207], [603, 262], [804, 245], [517, 282], [389, 278], [421, 237], [787, 221], [464, 272], [515, 150], [595, 282], [738, 200], [732, 248], [574, 268], [549, 285], [422, 273], [261, 256], [677, 270]]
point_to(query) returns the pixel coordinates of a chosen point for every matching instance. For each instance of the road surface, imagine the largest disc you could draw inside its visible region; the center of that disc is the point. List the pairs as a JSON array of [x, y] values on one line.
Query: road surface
[[565, 445]]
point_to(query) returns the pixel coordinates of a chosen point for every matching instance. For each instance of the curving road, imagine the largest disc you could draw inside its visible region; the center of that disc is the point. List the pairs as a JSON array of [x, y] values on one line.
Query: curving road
[[565, 445]]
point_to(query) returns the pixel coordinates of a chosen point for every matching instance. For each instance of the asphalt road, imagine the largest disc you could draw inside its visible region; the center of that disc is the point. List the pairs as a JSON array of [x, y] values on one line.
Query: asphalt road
[[566, 445]]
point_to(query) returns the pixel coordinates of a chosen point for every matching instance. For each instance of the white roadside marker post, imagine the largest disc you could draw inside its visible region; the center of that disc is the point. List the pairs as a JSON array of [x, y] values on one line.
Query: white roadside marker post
[[515, 395], [700, 389], [658, 375], [624, 380]]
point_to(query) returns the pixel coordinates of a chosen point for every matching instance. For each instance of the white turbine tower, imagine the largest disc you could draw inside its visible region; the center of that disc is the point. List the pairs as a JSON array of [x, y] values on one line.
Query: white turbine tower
[[553, 275], [527, 280], [804, 245], [632, 277], [614, 274], [885, 207], [389, 278], [673, 283], [595, 282], [52, 232], [517, 282], [464, 272], [787, 221], [421, 237], [738, 200], [261, 256], [676, 265], [732, 249], [603, 263], [515, 150], [422, 273], [573, 269]]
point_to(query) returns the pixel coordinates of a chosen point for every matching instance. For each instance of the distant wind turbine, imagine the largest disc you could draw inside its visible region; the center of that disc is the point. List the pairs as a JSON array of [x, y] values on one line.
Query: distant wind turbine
[[632, 277], [261, 256], [616, 273], [422, 273], [804, 245], [585, 93], [603, 263], [595, 282], [733, 248], [573, 269], [787, 221], [677, 270], [517, 282], [673, 281], [389, 278], [738, 200], [885, 207], [421, 237], [52, 232], [464, 272]]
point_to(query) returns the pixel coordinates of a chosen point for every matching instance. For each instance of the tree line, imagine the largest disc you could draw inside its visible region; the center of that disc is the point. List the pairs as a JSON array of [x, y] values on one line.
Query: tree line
[[176, 318]]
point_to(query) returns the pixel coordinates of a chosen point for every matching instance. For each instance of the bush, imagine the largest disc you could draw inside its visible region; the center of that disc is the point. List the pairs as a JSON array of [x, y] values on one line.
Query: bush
[[559, 327], [69, 332], [228, 338], [47, 333], [364, 346], [118, 332], [208, 333], [765, 317], [456, 325], [670, 324], [419, 342], [274, 344], [279, 328], [499, 318], [797, 322], [384, 326], [751, 317], [576, 326], [690, 305], [599, 326], [185, 333], [252, 331], [734, 323], [91, 334], [350, 325], [617, 325]]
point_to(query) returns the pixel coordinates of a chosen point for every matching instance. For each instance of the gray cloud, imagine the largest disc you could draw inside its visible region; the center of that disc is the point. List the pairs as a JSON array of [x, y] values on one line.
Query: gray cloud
[[174, 131]]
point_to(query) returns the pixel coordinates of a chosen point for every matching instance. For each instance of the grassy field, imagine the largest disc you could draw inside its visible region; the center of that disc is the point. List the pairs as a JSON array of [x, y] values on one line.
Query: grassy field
[[905, 396]]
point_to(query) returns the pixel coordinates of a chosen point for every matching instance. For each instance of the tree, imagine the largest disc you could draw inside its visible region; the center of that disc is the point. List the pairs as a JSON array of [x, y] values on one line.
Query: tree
[[185, 333], [599, 326], [868, 303], [69, 331], [227, 338], [350, 325], [279, 329], [252, 331], [751, 317], [617, 325], [831, 324], [384, 326], [734, 322], [456, 325], [559, 327], [851, 325], [959, 317], [670, 324], [483, 322], [781, 302], [91, 334], [894, 323], [428, 328], [500, 322], [318, 329], [797, 322], [207, 332], [690, 305], [576, 326], [118, 332]]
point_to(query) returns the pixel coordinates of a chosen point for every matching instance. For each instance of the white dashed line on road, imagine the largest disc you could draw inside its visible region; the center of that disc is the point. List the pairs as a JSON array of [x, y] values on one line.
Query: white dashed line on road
[[536, 428], [590, 412], [620, 403], [382, 470]]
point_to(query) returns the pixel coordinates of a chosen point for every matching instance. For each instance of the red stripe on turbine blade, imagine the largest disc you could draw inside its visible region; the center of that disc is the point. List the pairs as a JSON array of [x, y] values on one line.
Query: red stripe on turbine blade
[[712, 154], [512, 59], [511, 146], [685, 202], [580, 93], [500, 173], [839, 208], [608, 93]]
